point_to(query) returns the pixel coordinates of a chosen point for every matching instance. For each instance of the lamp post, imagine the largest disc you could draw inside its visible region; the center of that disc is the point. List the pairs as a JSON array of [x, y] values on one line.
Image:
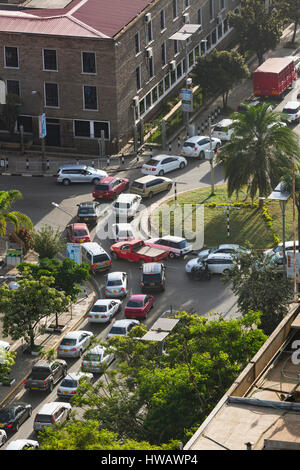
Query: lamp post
[[42, 127], [63, 210], [280, 194]]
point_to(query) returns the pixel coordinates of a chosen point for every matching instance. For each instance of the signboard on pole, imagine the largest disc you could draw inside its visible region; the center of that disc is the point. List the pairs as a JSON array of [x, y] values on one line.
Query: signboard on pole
[[74, 252], [42, 126], [290, 265], [187, 100]]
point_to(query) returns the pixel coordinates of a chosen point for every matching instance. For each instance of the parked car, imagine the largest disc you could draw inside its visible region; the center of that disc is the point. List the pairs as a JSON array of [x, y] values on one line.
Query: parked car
[[192, 265], [223, 248], [292, 110], [137, 251], [138, 306], [22, 444], [71, 382], [78, 233], [96, 360], [3, 437], [110, 187], [122, 327], [220, 263], [126, 205], [149, 185], [4, 345], [51, 413], [243, 107], [122, 232], [116, 284], [87, 212], [13, 415], [175, 246], [104, 310], [68, 174], [162, 164], [153, 277], [74, 343], [44, 375], [195, 146], [289, 246], [95, 256]]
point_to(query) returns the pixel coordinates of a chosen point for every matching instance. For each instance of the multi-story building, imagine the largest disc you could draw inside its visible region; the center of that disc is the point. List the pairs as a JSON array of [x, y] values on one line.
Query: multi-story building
[[99, 65]]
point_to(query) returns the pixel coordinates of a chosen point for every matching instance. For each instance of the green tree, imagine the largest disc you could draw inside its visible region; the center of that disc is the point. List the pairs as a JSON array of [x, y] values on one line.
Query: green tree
[[47, 242], [25, 307], [17, 219], [158, 397], [220, 71], [257, 26], [290, 11], [259, 151], [10, 111], [86, 435], [259, 285], [7, 360]]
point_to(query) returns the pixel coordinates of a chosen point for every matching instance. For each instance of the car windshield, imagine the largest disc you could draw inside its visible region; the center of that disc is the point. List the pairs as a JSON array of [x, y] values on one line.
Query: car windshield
[[99, 308], [220, 129], [122, 205], [80, 233], [44, 418], [93, 357], [182, 244], [5, 416], [86, 210], [189, 144], [135, 303], [91, 169], [69, 383], [147, 278], [100, 258], [102, 187], [116, 282], [118, 330], [290, 110], [68, 342], [136, 184], [153, 162]]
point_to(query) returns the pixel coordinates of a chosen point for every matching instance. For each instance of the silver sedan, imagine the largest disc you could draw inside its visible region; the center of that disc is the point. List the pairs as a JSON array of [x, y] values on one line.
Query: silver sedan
[[116, 284]]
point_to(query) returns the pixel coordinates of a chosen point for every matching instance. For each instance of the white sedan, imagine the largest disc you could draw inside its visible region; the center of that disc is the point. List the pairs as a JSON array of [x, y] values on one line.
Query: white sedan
[[162, 164], [4, 345], [71, 382], [74, 343], [196, 146], [122, 232], [230, 248], [22, 444], [116, 284], [104, 310]]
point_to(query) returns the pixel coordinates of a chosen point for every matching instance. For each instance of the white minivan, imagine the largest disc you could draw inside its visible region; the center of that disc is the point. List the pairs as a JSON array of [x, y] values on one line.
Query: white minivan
[[223, 130], [95, 256], [126, 205], [51, 413], [220, 263]]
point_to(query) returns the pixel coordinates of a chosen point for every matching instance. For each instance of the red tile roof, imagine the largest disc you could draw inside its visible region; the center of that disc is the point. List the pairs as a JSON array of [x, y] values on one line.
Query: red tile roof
[[83, 18]]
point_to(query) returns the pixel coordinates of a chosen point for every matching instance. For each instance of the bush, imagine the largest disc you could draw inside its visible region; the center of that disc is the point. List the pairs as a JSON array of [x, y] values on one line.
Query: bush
[[47, 242]]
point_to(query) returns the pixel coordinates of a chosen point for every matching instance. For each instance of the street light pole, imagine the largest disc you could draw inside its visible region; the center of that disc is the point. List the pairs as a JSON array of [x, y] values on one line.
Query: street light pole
[[212, 171]]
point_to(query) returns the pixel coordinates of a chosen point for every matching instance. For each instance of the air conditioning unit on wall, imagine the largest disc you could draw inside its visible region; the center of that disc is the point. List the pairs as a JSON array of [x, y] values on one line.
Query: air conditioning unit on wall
[[186, 18], [172, 65], [147, 17], [149, 52]]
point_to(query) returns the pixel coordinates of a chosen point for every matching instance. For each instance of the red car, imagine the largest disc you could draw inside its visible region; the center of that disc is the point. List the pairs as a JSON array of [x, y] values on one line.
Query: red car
[[110, 187], [138, 306], [78, 233]]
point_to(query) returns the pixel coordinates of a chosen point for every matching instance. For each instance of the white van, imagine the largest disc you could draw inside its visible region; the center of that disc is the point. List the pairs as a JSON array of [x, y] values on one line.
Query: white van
[[292, 110], [126, 204], [95, 256], [51, 413], [223, 130]]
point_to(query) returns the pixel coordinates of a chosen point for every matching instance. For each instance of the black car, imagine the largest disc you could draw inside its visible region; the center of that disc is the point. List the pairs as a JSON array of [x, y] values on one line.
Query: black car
[[153, 277], [12, 416], [87, 213]]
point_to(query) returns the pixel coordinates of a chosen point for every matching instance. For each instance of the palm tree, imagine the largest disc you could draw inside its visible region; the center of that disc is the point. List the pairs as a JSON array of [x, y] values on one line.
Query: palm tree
[[261, 148], [17, 219]]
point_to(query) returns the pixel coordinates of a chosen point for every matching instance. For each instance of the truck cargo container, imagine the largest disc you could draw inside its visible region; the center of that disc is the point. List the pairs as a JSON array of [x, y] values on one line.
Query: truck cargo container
[[274, 76]]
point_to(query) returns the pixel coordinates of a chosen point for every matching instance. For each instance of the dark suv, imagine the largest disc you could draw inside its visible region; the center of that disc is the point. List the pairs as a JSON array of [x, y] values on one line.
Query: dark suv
[[87, 213], [153, 277]]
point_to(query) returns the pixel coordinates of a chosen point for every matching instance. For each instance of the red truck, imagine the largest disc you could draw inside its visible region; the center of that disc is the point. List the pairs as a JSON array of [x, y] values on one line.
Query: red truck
[[137, 251], [274, 76]]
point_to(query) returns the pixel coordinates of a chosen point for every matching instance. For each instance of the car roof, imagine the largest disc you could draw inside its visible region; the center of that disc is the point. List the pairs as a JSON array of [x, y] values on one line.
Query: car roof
[[224, 122], [125, 322], [108, 179], [292, 104], [102, 302], [195, 138], [172, 238], [87, 203], [73, 167], [229, 245], [126, 197], [78, 225], [147, 178], [77, 375], [137, 297], [97, 349], [220, 256], [152, 268], [18, 444], [75, 334], [93, 246], [115, 275], [52, 406]]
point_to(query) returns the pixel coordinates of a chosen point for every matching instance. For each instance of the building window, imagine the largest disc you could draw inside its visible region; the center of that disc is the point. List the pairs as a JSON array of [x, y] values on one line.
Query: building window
[[26, 122], [88, 62], [90, 97], [91, 129], [138, 73], [13, 87], [49, 59], [137, 43], [222, 4], [175, 9], [51, 95], [150, 67], [214, 37], [162, 20], [199, 18], [163, 53], [11, 57], [211, 9], [149, 32], [185, 4], [175, 47], [101, 126]]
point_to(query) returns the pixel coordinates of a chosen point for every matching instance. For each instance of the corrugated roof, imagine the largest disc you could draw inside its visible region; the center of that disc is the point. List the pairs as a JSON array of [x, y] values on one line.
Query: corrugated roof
[[84, 18]]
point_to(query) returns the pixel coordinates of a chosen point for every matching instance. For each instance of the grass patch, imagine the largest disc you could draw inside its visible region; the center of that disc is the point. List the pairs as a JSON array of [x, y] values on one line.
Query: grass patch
[[246, 224]]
